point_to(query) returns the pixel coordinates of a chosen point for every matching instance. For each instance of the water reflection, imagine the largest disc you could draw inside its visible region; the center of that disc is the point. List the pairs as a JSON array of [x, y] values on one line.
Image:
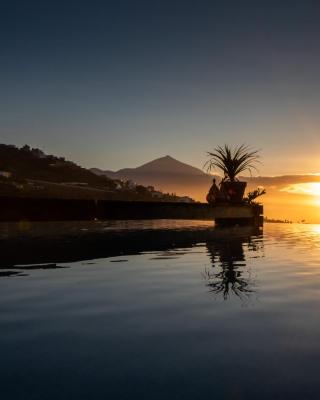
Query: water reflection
[[148, 323], [229, 272], [44, 244]]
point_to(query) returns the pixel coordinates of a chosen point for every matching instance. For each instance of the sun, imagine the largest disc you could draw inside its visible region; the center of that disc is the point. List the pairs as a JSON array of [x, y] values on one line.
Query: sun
[[314, 189], [316, 201]]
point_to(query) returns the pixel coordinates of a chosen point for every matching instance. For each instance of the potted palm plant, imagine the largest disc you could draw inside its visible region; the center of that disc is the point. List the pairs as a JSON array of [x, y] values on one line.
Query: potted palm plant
[[232, 161]]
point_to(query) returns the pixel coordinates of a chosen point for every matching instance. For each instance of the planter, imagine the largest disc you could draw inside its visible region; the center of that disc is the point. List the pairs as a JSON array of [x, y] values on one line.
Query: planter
[[233, 191]]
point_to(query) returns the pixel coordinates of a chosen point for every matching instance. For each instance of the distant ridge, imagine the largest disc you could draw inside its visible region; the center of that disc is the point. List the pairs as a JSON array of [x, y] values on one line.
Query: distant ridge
[[170, 165], [162, 165], [167, 174]]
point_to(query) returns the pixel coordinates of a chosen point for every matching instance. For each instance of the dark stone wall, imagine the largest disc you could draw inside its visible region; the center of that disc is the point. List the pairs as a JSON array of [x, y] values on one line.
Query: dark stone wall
[[33, 209]]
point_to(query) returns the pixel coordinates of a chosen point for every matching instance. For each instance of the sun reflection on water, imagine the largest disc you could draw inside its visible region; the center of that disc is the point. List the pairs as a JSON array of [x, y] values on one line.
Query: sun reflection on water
[[316, 229]]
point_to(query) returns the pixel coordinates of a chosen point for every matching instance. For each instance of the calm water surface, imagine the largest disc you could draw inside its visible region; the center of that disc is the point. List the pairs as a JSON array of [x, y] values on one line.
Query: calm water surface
[[234, 315]]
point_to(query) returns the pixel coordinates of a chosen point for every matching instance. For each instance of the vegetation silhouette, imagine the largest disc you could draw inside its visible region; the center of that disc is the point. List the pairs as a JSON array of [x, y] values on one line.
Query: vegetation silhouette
[[251, 196], [232, 161]]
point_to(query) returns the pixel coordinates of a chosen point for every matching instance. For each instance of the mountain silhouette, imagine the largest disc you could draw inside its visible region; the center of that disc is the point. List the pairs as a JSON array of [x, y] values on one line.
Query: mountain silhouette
[[163, 165], [166, 174], [169, 164]]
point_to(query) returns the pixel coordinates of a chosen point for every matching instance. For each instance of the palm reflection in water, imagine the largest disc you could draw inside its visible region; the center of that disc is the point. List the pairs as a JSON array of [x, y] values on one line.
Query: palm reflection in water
[[229, 273]]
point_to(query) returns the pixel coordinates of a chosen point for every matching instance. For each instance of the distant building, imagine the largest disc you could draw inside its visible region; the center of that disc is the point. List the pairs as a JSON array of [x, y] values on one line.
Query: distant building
[[6, 174], [35, 185], [186, 199], [18, 185], [119, 185], [157, 194], [129, 184], [75, 183]]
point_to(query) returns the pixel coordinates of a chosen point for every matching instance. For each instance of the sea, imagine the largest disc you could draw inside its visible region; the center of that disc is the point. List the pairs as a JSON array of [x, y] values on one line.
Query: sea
[[159, 310]]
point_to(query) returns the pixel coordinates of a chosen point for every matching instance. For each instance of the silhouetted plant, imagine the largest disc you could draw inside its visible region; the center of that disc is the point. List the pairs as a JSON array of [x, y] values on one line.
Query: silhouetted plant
[[232, 161], [251, 196]]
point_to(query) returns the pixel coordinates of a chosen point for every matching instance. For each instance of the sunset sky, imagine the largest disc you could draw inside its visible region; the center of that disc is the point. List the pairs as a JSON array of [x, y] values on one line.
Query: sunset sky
[[116, 84]]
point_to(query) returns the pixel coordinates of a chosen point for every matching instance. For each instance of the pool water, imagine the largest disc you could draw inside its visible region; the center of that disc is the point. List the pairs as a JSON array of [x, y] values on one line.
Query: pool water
[[234, 315]]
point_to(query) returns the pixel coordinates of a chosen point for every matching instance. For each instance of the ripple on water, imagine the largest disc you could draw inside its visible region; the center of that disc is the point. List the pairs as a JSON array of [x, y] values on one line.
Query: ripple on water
[[188, 312]]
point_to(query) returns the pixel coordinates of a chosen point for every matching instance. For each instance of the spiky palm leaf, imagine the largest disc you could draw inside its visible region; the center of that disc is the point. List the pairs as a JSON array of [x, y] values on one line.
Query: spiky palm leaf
[[232, 161]]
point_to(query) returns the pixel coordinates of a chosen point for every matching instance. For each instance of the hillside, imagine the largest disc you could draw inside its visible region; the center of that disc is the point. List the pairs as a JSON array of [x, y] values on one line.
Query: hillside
[[27, 163], [27, 172]]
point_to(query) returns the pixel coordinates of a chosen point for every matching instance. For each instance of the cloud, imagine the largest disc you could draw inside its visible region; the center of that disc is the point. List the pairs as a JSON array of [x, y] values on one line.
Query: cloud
[[282, 180], [309, 189]]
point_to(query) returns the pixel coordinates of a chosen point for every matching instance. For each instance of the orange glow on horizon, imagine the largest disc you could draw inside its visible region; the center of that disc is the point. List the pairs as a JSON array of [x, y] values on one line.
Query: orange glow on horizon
[[311, 189]]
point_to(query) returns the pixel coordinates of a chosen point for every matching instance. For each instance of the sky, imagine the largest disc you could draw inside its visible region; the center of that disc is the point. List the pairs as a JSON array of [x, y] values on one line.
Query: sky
[[116, 84]]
